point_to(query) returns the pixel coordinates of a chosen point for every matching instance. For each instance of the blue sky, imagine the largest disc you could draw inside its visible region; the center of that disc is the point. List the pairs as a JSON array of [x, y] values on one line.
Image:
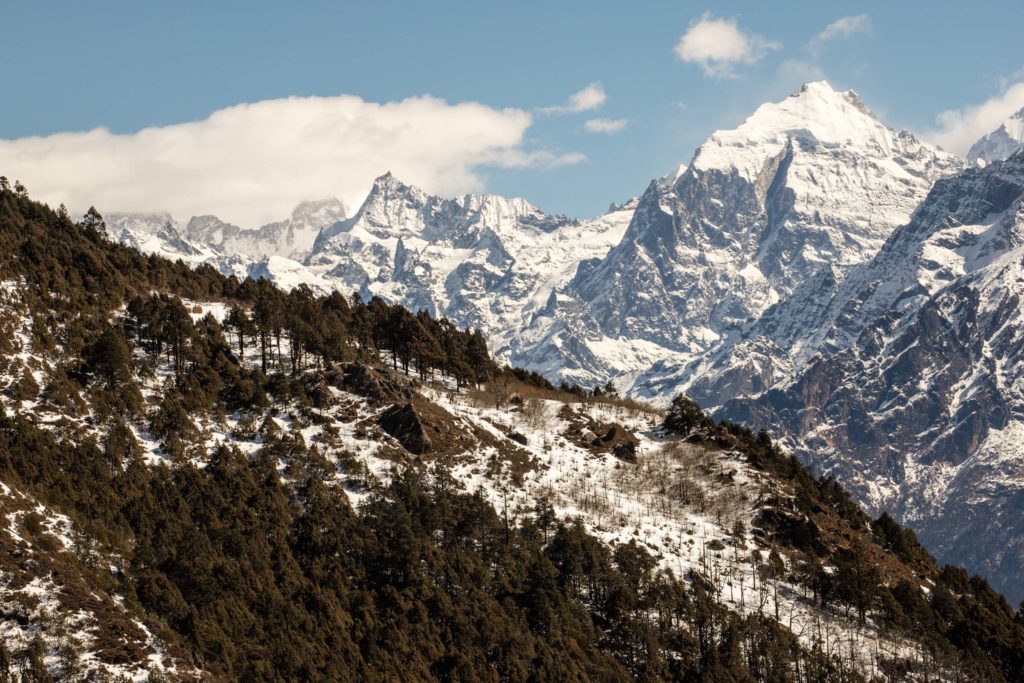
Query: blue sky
[[128, 65]]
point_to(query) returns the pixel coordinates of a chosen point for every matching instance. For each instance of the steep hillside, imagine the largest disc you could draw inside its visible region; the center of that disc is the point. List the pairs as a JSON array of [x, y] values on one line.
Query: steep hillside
[[262, 485]]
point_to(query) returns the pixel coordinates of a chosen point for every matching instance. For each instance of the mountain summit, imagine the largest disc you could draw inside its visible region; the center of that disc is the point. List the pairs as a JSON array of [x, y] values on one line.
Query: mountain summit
[[484, 261], [811, 181], [1000, 143]]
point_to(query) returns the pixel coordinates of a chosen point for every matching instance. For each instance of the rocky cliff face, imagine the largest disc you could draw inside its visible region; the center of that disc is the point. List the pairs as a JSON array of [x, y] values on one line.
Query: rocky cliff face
[[811, 182], [906, 381], [483, 261]]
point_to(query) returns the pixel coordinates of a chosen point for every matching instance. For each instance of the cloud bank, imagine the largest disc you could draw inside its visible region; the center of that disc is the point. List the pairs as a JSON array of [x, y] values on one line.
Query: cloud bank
[[253, 163], [718, 45], [958, 129]]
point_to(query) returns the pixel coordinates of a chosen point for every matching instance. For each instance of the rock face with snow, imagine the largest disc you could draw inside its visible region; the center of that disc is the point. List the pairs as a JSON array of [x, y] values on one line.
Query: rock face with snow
[[292, 238], [274, 251], [1000, 143], [905, 381], [812, 181], [481, 260]]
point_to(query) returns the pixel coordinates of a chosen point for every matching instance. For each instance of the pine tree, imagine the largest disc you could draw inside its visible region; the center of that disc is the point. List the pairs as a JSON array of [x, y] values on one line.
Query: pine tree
[[110, 359]]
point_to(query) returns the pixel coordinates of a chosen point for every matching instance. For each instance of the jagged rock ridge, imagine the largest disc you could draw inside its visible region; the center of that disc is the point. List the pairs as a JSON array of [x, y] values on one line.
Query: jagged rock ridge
[[905, 381], [1000, 143]]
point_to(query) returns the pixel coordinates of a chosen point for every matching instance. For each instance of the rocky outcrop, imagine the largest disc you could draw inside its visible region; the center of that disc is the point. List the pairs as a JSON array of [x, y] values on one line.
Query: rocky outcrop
[[363, 380], [404, 424]]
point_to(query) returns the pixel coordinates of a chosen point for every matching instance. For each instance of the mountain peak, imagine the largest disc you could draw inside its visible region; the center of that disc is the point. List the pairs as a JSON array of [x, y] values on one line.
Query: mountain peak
[[389, 184], [387, 180], [815, 87], [331, 208], [1000, 143], [817, 115]]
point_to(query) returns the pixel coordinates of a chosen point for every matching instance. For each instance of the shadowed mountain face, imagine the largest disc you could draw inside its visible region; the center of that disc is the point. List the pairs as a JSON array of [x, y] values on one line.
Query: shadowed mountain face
[[815, 180], [908, 379]]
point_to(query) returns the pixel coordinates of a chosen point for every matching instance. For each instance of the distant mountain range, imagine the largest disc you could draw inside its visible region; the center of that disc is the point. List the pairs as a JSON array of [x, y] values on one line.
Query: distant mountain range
[[812, 271]]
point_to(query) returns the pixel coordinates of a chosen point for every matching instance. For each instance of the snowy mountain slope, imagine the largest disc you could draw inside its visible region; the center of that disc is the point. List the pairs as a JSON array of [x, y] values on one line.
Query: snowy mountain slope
[[906, 385], [57, 605], [700, 512], [483, 261], [1000, 143], [811, 181], [292, 238], [60, 598], [207, 239]]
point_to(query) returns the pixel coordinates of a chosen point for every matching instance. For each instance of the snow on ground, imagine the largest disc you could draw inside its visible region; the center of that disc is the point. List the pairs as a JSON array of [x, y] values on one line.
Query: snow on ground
[[620, 502], [681, 502]]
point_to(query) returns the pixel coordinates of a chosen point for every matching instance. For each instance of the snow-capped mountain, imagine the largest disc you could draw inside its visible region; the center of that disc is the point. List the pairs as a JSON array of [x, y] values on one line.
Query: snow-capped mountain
[[1000, 143], [157, 233], [483, 261], [205, 238], [768, 278], [905, 379], [811, 181], [274, 251], [292, 238]]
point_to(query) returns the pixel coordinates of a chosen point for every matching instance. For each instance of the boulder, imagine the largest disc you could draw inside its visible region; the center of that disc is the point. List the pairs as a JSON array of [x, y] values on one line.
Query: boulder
[[625, 451], [362, 380], [404, 424]]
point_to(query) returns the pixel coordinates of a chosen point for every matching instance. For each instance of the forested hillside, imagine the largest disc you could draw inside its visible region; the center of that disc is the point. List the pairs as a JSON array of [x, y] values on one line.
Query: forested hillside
[[210, 479]]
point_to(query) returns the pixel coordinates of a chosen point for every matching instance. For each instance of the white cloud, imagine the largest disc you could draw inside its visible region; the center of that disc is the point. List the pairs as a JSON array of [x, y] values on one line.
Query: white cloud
[[840, 28], [717, 45], [605, 125], [252, 163], [958, 129], [591, 97], [519, 158]]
